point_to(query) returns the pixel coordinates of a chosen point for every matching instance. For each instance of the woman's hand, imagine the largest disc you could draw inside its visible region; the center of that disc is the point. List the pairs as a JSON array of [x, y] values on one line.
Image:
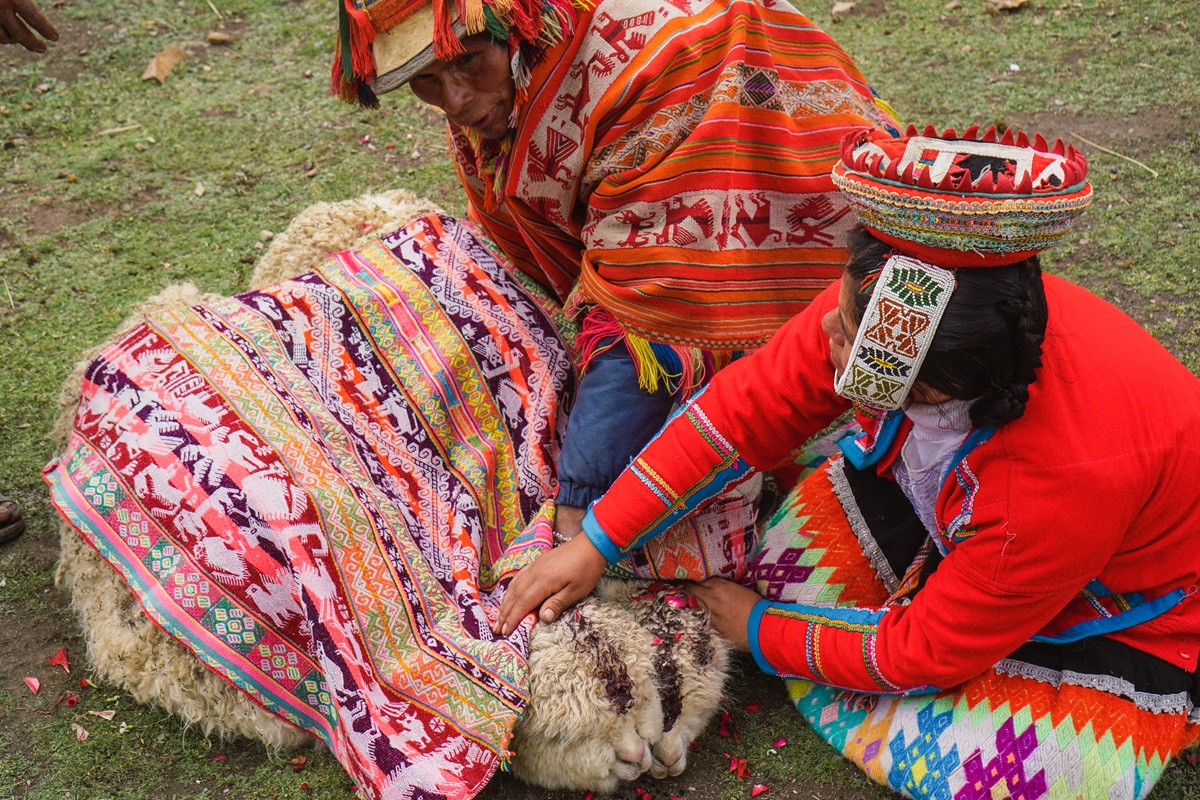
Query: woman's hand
[[557, 580], [728, 605]]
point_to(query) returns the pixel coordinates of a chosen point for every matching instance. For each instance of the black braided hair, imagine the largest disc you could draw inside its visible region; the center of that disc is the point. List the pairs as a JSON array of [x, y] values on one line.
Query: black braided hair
[[989, 343]]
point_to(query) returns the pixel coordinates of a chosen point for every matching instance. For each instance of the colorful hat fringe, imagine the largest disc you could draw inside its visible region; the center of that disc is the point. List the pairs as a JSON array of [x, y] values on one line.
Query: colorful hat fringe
[[535, 24], [964, 201]]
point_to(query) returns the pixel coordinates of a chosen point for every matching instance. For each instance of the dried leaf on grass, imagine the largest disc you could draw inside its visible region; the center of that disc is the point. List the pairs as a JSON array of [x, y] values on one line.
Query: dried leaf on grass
[[841, 8], [161, 65], [1003, 5]]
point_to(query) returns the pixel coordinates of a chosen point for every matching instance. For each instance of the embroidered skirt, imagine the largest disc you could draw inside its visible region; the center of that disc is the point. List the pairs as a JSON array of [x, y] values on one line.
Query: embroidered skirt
[[1095, 720]]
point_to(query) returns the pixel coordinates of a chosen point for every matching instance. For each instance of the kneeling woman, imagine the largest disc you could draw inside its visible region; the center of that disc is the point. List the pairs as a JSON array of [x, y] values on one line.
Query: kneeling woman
[[1002, 567]]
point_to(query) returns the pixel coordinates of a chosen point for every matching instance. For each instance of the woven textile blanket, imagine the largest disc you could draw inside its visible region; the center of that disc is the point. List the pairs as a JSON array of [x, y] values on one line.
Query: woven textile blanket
[[1012, 732], [321, 489]]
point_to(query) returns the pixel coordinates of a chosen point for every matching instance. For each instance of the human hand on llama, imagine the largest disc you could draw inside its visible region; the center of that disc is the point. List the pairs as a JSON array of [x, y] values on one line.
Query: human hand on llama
[[729, 606], [557, 580]]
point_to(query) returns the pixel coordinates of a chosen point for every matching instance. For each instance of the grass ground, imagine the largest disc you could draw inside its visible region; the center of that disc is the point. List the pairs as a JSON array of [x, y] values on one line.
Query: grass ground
[[112, 187]]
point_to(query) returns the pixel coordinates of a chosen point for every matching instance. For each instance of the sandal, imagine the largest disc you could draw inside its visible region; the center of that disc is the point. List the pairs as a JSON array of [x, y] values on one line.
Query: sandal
[[13, 524]]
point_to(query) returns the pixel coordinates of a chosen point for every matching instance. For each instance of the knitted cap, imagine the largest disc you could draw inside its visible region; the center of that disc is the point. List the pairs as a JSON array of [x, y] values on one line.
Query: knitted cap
[[969, 201]]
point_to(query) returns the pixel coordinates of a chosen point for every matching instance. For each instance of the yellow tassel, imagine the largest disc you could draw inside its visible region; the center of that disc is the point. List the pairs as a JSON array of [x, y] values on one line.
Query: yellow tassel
[[473, 18], [649, 370]]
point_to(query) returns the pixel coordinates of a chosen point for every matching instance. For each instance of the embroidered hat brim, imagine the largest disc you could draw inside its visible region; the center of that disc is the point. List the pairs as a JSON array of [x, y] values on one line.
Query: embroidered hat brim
[[403, 51], [969, 201]]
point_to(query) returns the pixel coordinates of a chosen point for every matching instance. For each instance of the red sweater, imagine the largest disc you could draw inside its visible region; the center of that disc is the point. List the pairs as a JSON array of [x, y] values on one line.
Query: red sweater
[[1100, 479]]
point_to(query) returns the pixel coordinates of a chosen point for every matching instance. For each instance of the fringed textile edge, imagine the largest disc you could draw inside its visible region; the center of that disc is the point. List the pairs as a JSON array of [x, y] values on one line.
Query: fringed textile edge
[[681, 370]]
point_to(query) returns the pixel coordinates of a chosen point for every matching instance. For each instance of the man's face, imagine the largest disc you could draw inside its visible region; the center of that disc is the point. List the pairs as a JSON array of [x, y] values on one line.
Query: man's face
[[475, 88]]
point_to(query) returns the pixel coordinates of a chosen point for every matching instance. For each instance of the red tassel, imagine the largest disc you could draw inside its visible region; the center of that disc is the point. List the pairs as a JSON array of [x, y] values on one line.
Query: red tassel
[[1039, 143], [1007, 138], [930, 132], [526, 23], [949, 134], [362, 36], [971, 133], [1022, 139], [445, 44]]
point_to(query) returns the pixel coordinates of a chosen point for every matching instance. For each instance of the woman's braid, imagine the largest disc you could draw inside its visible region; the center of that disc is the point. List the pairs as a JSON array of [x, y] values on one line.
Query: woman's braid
[[1025, 315]]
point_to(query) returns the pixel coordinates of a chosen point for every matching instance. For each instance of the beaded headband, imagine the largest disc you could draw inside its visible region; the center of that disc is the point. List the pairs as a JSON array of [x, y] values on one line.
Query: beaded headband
[[902, 316], [944, 201]]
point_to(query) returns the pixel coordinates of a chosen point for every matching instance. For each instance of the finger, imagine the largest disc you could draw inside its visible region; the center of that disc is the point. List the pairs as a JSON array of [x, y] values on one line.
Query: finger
[[36, 19], [23, 36], [525, 601], [552, 609]]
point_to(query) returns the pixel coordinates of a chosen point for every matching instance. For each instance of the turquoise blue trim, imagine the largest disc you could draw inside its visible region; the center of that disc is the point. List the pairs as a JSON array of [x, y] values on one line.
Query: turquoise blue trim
[[752, 626], [848, 614], [598, 537], [973, 440], [860, 458], [1117, 622], [689, 503]]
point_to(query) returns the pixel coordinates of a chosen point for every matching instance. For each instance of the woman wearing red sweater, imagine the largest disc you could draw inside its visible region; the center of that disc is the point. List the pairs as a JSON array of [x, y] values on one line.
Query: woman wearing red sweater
[[994, 588]]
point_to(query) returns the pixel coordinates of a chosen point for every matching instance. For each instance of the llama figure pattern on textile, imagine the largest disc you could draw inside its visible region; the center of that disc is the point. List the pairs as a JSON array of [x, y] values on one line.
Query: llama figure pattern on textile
[[320, 487]]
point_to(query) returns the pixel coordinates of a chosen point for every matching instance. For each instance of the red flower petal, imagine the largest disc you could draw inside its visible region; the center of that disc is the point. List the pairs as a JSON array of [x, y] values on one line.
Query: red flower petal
[[743, 769], [220, 757], [780, 742], [59, 659], [33, 683], [758, 789], [299, 763], [752, 707], [71, 699], [588, 796]]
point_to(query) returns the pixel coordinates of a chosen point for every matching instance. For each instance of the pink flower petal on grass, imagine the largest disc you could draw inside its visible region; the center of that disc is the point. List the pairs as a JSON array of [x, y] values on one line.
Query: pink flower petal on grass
[[759, 789], [780, 742], [59, 659], [80, 731], [71, 699], [33, 683], [104, 715], [743, 769], [220, 757]]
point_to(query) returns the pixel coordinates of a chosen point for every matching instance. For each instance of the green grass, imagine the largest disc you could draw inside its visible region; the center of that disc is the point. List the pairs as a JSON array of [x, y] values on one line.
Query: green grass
[[99, 210]]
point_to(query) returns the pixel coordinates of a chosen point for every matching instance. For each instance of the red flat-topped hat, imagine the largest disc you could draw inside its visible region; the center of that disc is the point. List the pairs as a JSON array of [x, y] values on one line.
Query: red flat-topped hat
[[963, 201]]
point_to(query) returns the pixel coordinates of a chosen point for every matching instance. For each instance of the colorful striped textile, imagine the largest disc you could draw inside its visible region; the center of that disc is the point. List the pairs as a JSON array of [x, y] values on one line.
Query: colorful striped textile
[[670, 163], [322, 488], [1016, 731]]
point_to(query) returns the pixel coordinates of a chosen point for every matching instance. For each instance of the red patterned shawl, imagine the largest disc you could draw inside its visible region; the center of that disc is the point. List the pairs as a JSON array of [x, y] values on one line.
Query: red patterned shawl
[[671, 164]]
